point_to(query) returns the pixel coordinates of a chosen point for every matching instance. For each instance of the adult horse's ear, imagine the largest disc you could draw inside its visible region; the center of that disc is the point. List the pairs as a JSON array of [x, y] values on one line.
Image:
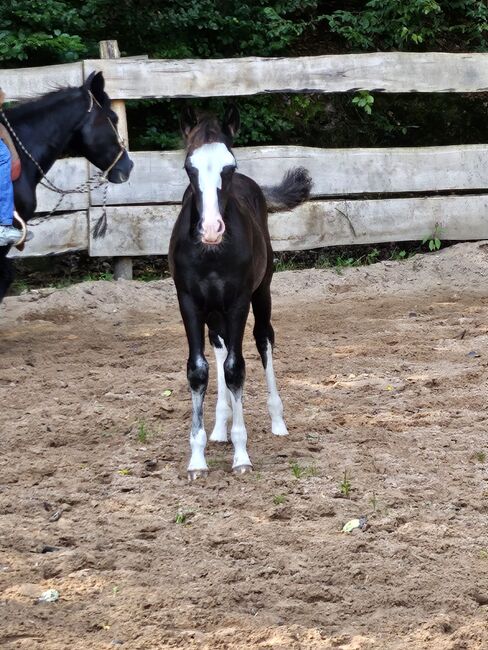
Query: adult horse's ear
[[96, 84], [231, 121], [188, 120]]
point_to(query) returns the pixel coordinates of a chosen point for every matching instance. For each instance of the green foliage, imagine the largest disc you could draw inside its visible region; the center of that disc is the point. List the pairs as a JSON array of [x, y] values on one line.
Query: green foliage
[[301, 471], [434, 239], [414, 24], [279, 499], [345, 485], [56, 31], [142, 433], [364, 100], [46, 31]]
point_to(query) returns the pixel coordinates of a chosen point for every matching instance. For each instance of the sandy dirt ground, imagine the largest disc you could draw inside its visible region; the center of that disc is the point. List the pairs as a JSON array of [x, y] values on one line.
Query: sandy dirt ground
[[383, 372]]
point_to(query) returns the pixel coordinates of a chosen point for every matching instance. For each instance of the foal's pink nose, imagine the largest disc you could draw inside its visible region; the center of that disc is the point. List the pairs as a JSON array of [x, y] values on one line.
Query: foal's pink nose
[[212, 231]]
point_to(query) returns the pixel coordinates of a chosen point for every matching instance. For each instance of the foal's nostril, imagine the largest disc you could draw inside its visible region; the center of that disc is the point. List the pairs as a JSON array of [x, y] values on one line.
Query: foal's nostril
[[221, 227]]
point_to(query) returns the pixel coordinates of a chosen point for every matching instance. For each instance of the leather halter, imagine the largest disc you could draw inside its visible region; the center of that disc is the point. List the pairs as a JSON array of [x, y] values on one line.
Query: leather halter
[[120, 140]]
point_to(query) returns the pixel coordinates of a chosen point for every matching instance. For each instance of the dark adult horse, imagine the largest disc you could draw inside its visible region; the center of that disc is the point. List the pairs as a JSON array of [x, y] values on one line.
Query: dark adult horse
[[78, 119], [221, 260]]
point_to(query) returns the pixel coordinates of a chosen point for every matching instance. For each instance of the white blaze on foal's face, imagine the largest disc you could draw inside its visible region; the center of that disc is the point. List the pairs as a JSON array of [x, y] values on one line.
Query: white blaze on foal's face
[[210, 160]]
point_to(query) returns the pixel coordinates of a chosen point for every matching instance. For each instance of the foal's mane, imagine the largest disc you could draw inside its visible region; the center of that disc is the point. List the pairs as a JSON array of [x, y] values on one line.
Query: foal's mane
[[206, 131]]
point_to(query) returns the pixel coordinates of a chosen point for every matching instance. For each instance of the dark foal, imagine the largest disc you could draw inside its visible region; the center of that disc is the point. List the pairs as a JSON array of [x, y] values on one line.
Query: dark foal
[[221, 261], [76, 119]]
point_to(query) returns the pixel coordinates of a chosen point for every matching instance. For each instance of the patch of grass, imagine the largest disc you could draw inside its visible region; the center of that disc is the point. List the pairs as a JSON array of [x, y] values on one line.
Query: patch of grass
[[142, 433], [95, 277], [217, 463], [398, 255], [19, 286], [480, 456], [483, 554], [124, 471], [300, 471], [184, 515], [374, 502], [149, 276], [285, 263], [345, 485], [278, 499]]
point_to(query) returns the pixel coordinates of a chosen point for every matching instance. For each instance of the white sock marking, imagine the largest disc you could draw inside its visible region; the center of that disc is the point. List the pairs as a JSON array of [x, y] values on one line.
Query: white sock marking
[[275, 405], [238, 433], [223, 409], [198, 437]]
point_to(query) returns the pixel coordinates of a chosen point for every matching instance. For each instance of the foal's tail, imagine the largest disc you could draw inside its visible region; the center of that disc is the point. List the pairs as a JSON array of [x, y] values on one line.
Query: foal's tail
[[293, 190]]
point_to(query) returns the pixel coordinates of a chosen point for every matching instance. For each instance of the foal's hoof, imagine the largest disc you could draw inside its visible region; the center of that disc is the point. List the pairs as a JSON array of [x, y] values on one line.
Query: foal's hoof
[[242, 469], [194, 474], [278, 427]]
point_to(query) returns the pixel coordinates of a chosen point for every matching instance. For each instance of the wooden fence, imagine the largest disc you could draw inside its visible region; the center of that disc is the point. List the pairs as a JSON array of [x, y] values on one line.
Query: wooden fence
[[141, 212]]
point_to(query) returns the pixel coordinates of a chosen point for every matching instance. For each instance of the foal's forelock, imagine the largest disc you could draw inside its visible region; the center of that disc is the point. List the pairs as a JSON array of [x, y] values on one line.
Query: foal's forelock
[[207, 131]]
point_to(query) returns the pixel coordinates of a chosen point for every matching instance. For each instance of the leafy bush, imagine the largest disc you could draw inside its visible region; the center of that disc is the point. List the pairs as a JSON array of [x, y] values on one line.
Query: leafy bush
[[414, 24], [55, 31]]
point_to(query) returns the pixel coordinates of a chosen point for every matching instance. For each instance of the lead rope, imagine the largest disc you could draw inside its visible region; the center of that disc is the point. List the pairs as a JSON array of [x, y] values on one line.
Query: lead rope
[[95, 181]]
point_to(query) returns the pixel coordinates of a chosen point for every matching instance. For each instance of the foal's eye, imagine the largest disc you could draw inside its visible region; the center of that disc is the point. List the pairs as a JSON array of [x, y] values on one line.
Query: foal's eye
[[191, 171]]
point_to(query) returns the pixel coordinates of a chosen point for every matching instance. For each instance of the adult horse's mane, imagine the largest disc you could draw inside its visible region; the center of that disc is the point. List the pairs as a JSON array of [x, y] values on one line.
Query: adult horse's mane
[[25, 106]]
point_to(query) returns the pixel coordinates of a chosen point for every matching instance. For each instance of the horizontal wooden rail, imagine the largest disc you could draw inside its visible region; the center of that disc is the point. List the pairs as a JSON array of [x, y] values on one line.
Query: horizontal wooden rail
[[397, 72], [134, 78], [145, 230], [159, 177]]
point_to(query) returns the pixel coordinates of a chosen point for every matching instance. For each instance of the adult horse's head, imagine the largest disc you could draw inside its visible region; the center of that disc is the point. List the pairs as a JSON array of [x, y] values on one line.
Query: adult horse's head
[[97, 139], [210, 165]]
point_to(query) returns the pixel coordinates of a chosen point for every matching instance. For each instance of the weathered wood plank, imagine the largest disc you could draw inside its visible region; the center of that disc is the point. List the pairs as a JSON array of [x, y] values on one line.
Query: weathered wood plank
[[24, 83], [61, 233], [66, 173], [133, 230], [159, 177], [380, 71], [146, 230], [338, 223]]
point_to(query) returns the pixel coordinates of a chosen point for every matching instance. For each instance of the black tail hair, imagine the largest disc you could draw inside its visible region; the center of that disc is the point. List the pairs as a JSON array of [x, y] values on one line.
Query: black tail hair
[[294, 189]]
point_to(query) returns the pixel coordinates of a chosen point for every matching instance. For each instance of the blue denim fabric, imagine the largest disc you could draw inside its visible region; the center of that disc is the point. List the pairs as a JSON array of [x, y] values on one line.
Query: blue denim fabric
[[6, 187]]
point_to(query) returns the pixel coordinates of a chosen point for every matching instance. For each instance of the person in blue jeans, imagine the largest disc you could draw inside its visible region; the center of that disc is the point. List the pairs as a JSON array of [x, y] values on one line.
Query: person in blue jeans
[[8, 234]]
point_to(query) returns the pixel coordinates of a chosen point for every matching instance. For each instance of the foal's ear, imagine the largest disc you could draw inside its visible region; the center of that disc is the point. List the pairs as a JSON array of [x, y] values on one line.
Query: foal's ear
[[231, 121], [188, 120], [96, 84]]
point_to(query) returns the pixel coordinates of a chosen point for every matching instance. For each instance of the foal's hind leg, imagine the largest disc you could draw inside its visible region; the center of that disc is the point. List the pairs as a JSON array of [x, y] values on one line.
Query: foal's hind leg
[[197, 373], [264, 336], [223, 410]]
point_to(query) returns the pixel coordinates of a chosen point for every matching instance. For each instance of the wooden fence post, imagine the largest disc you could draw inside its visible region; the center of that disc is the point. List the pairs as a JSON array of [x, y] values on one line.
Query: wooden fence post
[[110, 50]]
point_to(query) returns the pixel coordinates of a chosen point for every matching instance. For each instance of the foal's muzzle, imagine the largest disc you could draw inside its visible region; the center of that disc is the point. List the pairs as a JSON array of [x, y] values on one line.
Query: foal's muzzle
[[212, 231]]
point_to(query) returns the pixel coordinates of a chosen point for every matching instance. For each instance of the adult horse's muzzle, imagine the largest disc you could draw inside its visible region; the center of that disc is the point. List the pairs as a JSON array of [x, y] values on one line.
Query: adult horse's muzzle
[[121, 171]]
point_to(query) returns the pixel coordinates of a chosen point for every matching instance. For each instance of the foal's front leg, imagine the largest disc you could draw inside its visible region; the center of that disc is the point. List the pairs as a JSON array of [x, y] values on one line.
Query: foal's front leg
[[235, 371], [197, 373], [223, 410]]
